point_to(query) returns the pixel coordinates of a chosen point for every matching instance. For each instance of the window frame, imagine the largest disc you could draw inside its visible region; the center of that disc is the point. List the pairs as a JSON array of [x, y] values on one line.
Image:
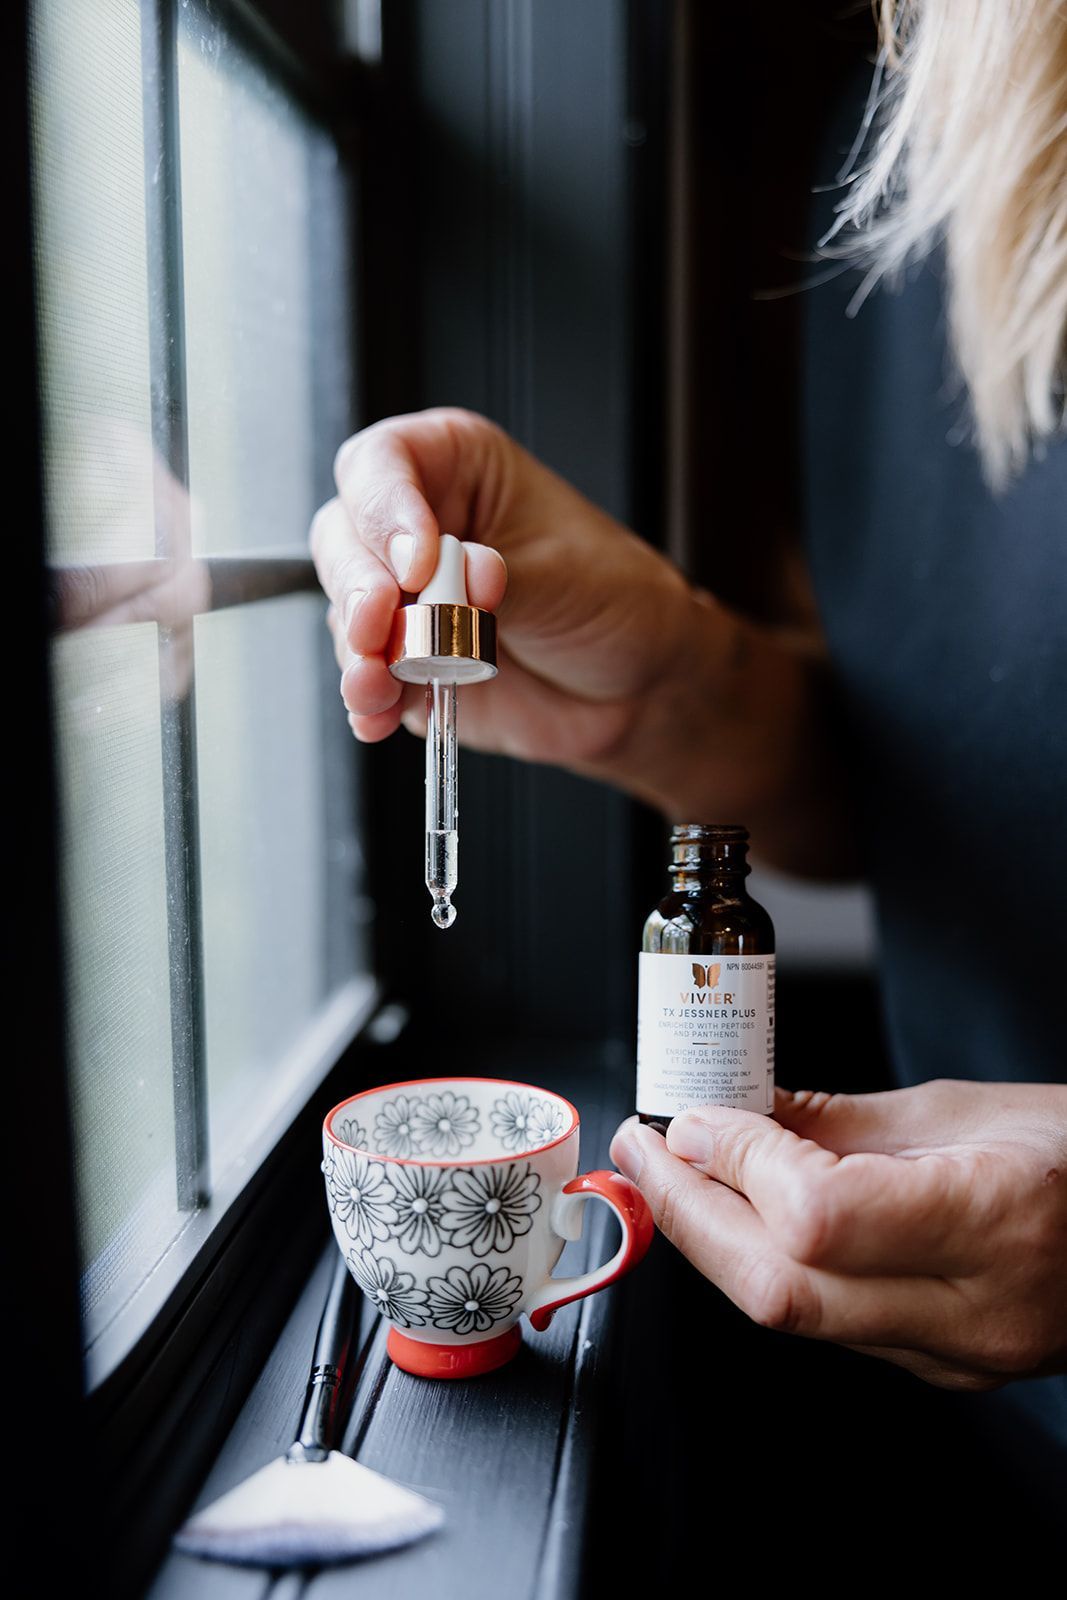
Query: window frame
[[40, 1254], [235, 581]]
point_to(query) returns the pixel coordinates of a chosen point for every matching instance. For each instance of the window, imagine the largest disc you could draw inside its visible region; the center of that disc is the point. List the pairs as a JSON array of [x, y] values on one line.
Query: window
[[192, 223], [192, 338]]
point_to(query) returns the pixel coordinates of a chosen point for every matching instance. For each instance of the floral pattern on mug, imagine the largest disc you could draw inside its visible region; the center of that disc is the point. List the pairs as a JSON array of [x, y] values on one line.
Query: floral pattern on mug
[[393, 1292], [511, 1120], [361, 1197], [546, 1122], [352, 1132], [417, 1197], [488, 1208], [394, 1131], [445, 1124], [470, 1300]]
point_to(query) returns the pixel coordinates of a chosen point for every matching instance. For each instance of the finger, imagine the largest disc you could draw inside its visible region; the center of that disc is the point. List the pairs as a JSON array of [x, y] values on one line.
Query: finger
[[725, 1239], [520, 714], [371, 730], [406, 479], [891, 1121], [341, 653], [487, 576], [864, 1212], [413, 717], [368, 687], [363, 593]]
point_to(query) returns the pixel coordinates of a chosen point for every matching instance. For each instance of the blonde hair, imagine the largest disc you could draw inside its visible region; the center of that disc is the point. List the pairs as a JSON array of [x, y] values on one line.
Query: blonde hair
[[969, 150]]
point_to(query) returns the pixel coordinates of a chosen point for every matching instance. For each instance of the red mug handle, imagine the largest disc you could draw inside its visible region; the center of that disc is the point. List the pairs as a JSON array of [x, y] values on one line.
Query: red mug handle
[[631, 1208]]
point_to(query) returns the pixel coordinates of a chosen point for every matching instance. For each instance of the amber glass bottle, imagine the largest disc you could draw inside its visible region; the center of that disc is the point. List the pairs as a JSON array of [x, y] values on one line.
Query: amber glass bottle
[[705, 1021]]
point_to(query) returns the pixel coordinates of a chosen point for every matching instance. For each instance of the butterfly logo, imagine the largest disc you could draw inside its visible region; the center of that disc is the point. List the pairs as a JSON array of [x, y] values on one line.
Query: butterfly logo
[[706, 977]]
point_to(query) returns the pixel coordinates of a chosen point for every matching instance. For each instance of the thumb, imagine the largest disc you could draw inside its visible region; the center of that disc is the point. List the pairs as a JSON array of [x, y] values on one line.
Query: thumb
[[487, 576], [888, 1121]]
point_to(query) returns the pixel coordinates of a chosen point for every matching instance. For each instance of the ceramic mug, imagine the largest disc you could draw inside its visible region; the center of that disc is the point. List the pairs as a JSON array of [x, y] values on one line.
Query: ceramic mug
[[451, 1199]]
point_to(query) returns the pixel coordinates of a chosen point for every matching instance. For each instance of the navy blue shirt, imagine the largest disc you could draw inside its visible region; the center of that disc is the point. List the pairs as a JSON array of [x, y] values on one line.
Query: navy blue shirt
[[945, 609]]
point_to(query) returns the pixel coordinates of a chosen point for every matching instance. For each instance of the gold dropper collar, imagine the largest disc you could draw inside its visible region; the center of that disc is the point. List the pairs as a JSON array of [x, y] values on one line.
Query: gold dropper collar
[[443, 639]]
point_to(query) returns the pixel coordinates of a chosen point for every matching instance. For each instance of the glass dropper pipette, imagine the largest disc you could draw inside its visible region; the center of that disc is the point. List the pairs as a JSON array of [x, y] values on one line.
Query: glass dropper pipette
[[442, 808], [442, 641]]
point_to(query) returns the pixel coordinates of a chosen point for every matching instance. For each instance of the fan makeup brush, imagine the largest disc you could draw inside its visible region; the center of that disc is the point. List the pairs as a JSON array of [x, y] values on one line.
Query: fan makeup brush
[[313, 1506]]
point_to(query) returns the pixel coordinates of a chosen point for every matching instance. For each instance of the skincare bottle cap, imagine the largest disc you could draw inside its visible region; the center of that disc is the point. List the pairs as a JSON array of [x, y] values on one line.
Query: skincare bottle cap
[[442, 635]]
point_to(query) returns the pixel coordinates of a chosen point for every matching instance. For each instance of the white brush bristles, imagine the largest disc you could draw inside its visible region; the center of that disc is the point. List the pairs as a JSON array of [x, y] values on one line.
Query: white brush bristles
[[299, 1514], [969, 105]]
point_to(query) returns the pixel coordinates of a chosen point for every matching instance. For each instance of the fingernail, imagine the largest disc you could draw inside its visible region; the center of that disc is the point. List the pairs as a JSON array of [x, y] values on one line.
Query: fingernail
[[689, 1138], [352, 605], [401, 550], [627, 1155], [626, 1151]]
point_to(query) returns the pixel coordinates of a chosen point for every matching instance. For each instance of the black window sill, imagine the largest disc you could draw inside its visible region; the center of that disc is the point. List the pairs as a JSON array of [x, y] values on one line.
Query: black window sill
[[650, 1432], [509, 1455]]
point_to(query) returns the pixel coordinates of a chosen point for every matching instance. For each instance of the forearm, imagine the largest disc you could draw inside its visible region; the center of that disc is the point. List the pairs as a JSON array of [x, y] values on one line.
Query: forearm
[[741, 728]]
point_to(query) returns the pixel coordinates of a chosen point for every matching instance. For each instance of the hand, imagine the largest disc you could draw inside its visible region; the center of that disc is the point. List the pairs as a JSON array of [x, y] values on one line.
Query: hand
[[611, 664], [577, 653], [927, 1226]]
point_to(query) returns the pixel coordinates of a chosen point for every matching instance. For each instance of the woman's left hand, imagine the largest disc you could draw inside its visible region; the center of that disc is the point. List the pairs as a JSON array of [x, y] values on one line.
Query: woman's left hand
[[927, 1226]]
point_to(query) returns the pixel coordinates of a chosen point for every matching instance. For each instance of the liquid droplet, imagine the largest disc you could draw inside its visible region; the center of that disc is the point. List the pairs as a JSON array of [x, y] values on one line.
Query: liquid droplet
[[443, 913]]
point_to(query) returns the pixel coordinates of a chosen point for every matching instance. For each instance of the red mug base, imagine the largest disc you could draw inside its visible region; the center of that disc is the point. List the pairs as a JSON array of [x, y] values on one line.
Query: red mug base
[[452, 1360]]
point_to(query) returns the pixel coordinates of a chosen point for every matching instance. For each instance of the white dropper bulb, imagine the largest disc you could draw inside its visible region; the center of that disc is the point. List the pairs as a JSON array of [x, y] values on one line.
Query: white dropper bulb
[[448, 586]]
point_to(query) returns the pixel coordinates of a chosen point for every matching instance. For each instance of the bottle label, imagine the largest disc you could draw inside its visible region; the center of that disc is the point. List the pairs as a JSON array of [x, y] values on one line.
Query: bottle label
[[705, 1033]]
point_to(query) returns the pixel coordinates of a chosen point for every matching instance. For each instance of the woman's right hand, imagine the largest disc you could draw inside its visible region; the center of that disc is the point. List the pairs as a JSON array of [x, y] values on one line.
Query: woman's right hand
[[611, 664], [589, 626]]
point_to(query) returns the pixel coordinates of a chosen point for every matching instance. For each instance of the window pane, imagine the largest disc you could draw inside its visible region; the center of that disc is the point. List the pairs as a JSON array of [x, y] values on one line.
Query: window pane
[[267, 388], [267, 876], [89, 184], [88, 148], [106, 689], [266, 860], [249, 160]]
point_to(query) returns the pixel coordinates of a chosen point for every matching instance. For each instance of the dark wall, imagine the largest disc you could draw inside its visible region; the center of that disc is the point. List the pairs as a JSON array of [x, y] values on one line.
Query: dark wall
[[751, 89], [518, 190], [574, 217]]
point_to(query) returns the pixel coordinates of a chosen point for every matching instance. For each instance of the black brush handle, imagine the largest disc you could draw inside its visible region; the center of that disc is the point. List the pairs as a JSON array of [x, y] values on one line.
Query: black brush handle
[[333, 1349]]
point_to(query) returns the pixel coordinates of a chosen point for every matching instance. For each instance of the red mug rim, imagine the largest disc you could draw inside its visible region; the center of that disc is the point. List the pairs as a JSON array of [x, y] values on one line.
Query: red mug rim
[[449, 1161]]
